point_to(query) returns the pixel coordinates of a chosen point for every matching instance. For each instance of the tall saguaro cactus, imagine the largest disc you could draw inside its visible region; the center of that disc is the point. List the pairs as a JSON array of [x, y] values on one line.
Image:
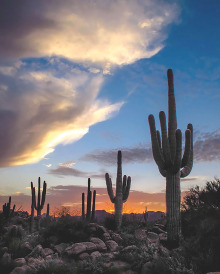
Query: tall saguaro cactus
[[7, 211], [89, 217], [33, 205], [40, 200], [168, 156], [122, 191]]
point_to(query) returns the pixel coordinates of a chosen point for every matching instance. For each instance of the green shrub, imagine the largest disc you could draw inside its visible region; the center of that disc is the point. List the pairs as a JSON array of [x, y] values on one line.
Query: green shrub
[[66, 229]]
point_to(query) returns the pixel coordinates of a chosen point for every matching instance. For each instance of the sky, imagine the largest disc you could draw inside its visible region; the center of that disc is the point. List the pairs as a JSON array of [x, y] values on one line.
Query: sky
[[78, 80]]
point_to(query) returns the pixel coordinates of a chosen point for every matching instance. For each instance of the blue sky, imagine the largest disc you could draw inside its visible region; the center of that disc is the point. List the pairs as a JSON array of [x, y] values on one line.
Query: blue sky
[[80, 80]]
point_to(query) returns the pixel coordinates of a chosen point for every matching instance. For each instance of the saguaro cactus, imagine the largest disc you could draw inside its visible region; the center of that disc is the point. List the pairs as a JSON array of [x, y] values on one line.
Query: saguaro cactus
[[89, 200], [122, 191], [40, 200], [168, 156], [7, 211], [33, 205]]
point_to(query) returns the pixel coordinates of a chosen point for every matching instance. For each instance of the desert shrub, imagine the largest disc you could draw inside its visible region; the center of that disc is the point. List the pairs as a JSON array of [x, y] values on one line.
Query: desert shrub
[[66, 229], [201, 226], [109, 222]]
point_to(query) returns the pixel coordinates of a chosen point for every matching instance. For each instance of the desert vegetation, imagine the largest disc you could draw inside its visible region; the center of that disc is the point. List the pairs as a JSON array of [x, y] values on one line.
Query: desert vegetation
[[185, 241]]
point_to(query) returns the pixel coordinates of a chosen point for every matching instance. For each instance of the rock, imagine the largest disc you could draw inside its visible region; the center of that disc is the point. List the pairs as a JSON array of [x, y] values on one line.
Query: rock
[[153, 237], [111, 245], [118, 265], [101, 229], [163, 237], [25, 269], [95, 255], [109, 256], [48, 258], [35, 263], [79, 248], [116, 237], [129, 248], [146, 268], [19, 262], [60, 248], [160, 226], [84, 256], [38, 251], [47, 251], [25, 249], [6, 258], [158, 230], [106, 236], [90, 246], [140, 234], [100, 245]]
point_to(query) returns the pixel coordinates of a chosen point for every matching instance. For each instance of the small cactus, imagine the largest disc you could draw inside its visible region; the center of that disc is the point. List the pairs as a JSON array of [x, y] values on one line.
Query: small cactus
[[7, 211], [48, 211], [40, 202], [122, 191], [89, 217], [145, 214]]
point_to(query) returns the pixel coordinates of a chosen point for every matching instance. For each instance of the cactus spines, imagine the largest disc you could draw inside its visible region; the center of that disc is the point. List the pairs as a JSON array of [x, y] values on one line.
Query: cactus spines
[[6, 208], [40, 200], [89, 217], [168, 156], [122, 190]]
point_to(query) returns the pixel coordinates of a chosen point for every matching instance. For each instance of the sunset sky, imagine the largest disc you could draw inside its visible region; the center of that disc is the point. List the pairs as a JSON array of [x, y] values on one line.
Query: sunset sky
[[78, 80]]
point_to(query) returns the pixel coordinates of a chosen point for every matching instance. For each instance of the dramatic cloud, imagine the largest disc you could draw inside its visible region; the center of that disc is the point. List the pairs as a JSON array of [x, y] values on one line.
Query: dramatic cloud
[[39, 110], [69, 171], [140, 153], [207, 146], [104, 32]]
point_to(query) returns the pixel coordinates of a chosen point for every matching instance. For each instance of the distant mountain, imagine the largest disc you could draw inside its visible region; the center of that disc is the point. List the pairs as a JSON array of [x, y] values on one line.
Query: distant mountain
[[100, 216]]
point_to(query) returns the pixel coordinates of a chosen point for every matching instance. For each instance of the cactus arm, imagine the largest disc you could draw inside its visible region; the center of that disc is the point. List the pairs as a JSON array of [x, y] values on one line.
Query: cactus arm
[[89, 198], [43, 195], [34, 198], [119, 176], [159, 141], [93, 205], [172, 123], [188, 167], [109, 187], [165, 142], [38, 197], [155, 146], [163, 172], [187, 148], [126, 190], [178, 157], [83, 206], [124, 183]]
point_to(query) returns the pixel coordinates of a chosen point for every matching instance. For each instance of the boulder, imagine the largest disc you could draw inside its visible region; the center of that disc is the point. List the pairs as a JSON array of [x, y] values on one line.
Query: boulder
[[35, 263], [140, 234], [25, 269], [47, 251], [19, 262], [111, 245], [84, 256], [158, 230], [75, 249], [6, 259], [95, 255], [90, 246], [106, 236], [146, 268], [116, 237], [38, 251], [129, 248], [60, 248], [100, 245], [25, 249], [153, 237]]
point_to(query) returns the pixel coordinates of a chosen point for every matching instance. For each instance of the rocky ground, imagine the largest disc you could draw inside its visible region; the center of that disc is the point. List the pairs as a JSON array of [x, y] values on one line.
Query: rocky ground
[[140, 251]]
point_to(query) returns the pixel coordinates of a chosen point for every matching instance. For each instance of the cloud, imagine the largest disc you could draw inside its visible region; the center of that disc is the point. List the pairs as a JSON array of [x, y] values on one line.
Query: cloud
[[207, 146], [104, 32], [139, 153], [41, 109], [69, 171]]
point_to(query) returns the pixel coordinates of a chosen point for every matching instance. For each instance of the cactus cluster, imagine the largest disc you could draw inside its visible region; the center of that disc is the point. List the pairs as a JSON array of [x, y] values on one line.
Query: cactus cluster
[[90, 215], [7, 211], [40, 202], [122, 191], [168, 156]]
